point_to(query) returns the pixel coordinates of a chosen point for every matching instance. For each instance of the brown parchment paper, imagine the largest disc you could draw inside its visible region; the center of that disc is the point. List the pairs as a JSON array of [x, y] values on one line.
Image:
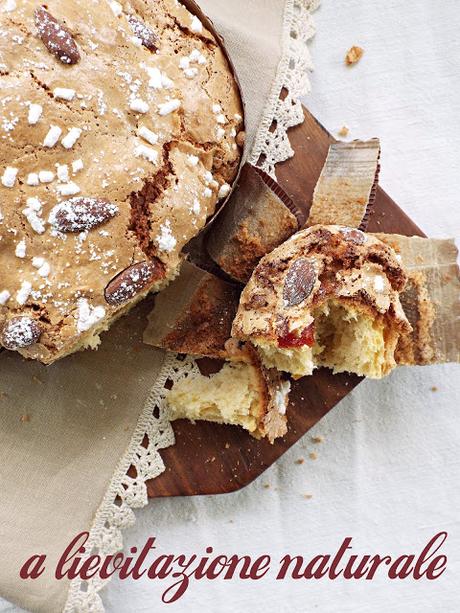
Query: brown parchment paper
[[431, 300], [79, 415], [346, 189]]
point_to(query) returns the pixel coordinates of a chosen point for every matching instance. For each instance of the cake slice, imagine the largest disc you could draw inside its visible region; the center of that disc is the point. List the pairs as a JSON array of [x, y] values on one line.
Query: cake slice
[[329, 296], [242, 393]]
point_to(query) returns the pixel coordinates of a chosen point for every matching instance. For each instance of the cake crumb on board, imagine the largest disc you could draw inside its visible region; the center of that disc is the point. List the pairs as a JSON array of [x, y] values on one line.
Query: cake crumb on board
[[354, 54]]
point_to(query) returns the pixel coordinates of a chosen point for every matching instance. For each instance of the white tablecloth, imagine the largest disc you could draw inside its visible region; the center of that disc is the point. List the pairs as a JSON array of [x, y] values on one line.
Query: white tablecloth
[[388, 471]]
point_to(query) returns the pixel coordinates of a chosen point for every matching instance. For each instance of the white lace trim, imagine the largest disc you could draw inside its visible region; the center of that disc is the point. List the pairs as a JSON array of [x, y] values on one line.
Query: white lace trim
[[126, 493], [284, 107]]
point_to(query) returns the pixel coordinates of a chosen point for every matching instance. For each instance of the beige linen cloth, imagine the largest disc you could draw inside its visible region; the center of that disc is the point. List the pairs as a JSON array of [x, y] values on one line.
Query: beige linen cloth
[[70, 432]]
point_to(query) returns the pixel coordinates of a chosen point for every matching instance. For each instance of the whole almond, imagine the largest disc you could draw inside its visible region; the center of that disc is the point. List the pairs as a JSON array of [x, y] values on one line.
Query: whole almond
[[299, 283], [81, 214], [20, 332], [144, 33], [56, 38], [131, 281], [353, 236]]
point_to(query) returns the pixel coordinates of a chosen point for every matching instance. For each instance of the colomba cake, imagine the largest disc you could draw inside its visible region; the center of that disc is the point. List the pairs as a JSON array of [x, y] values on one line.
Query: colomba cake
[[118, 131]]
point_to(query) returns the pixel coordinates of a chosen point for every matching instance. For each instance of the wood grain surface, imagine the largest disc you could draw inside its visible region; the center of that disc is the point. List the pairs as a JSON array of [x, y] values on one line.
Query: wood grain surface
[[214, 459]]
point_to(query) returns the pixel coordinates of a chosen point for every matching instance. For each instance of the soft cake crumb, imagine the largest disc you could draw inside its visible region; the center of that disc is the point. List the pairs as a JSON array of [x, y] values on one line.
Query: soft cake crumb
[[354, 55]]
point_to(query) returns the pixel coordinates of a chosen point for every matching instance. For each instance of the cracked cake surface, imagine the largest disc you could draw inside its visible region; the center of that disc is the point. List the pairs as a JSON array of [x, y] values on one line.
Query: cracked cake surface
[[118, 131]]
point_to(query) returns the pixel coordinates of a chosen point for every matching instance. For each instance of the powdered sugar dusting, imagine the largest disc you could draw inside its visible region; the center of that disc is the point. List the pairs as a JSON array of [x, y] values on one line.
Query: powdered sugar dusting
[[88, 315], [166, 241]]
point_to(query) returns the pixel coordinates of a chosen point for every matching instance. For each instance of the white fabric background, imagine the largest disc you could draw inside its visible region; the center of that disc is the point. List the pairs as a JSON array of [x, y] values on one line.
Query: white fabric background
[[388, 471]]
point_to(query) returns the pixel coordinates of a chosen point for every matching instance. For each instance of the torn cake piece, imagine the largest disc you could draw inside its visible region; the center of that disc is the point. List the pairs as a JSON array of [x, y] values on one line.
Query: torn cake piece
[[329, 296], [242, 393], [194, 315]]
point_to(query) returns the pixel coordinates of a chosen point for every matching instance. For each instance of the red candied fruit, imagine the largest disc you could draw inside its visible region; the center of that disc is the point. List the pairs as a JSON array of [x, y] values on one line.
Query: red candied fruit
[[292, 340]]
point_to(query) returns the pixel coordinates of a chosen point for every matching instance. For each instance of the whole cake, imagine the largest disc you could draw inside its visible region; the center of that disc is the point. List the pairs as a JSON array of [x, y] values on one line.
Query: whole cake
[[329, 296], [119, 125]]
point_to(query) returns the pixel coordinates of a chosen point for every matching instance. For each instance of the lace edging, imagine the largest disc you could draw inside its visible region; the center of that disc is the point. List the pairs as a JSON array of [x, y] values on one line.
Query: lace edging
[[126, 493], [284, 107]]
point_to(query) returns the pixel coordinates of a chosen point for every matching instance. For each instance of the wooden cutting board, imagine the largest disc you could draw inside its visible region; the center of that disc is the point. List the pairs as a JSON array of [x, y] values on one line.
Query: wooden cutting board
[[214, 459]]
